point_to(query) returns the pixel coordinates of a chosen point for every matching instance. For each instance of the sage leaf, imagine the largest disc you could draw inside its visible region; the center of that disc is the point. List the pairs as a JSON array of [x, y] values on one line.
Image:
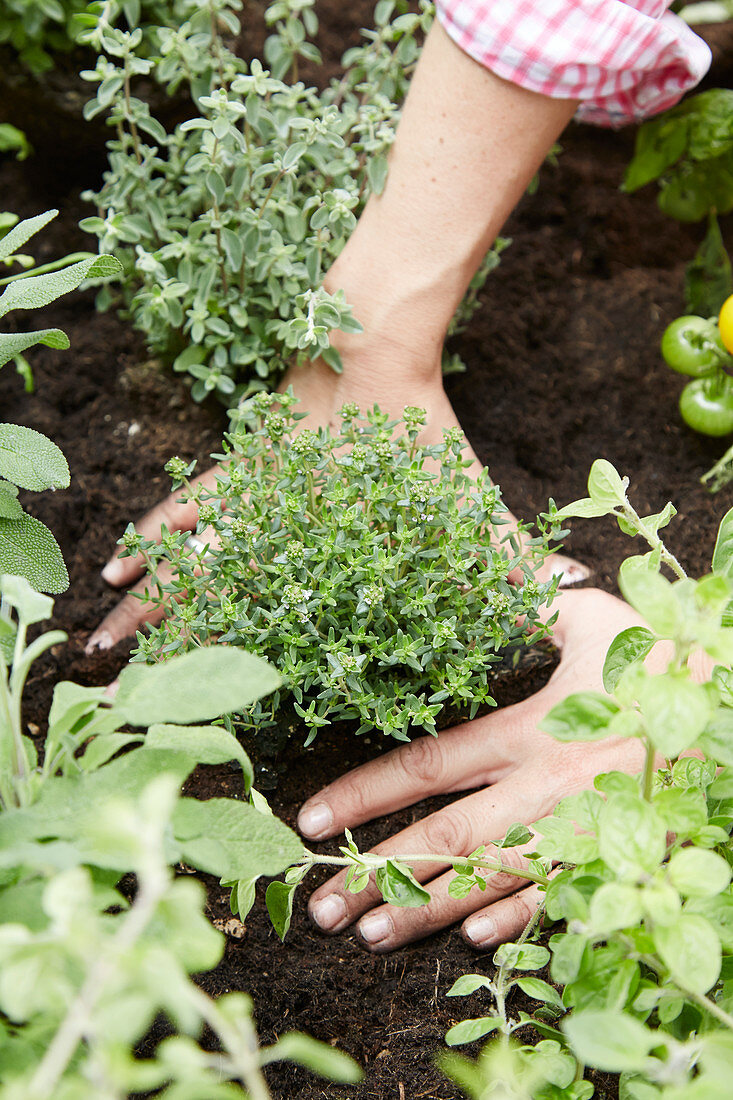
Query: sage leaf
[[316, 1056], [28, 549], [30, 460], [15, 343], [22, 232], [232, 839], [197, 686], [208, 744]]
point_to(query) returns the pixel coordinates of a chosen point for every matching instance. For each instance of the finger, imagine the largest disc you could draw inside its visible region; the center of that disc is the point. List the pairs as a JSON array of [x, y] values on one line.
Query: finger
[[174, 513], [504, 919], [388, 927], [476, 753], [125, 619], [451, 832], [141, 604], [466, 756], [568, 570], [471, 755]]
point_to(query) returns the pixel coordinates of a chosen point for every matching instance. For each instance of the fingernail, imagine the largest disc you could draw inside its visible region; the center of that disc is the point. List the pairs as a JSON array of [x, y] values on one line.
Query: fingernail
[[376, 928], [329, 912], [100, 640], [316, 820], [113, 572], [569, 571], [111, 689], [481, 932]]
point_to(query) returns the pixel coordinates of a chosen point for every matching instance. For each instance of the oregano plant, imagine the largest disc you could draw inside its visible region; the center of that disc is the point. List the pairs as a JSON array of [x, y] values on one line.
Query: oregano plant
[[38, 31], [641, 967]]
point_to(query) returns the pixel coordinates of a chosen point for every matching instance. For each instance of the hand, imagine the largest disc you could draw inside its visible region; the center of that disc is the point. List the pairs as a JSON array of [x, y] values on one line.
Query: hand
[[522, 773]]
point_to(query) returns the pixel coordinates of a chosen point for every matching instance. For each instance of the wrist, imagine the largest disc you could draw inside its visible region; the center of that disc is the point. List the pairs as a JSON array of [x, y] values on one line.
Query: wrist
[[404, 309]]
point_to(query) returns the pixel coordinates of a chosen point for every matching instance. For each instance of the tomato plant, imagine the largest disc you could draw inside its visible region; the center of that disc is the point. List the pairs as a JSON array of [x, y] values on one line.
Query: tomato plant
[[696, 346], [706, 405], [692, 345], [689, 152]]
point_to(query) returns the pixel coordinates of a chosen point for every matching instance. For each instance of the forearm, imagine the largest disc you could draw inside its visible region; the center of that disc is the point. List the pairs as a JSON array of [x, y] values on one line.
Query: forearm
[[466, 148]]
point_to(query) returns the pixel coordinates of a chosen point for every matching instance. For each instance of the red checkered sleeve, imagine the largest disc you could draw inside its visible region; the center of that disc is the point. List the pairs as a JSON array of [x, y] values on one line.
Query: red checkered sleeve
[[623, 59]]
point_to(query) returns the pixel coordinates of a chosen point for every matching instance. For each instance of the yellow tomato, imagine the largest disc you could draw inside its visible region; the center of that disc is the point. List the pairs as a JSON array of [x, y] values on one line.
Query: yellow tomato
[[725, 323]]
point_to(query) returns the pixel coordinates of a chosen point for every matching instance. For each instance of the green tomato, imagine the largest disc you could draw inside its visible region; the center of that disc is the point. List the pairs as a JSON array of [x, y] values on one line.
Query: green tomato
[[692, 345], [708, 407]]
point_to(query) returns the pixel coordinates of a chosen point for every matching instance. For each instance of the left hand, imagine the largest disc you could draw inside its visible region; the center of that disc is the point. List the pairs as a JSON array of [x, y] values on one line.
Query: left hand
[[523, 774]]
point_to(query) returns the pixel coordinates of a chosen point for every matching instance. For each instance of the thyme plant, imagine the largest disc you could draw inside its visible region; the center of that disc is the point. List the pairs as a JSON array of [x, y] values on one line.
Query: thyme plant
[[226, 225], [368, 568]]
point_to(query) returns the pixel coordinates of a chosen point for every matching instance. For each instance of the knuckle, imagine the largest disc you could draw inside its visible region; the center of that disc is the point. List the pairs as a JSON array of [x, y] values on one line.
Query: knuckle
[[352, 791], [505, 882], [448, 832], [422, 763]]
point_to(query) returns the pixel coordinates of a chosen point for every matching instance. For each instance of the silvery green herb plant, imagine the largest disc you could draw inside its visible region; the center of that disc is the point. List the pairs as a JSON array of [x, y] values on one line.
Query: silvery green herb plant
[[642, 975], [28, 460], [39, 30], [85, 970], [369, 569], [226, 226]]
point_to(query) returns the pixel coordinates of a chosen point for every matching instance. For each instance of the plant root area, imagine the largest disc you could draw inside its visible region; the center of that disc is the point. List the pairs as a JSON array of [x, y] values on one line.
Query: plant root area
[[563, 367]]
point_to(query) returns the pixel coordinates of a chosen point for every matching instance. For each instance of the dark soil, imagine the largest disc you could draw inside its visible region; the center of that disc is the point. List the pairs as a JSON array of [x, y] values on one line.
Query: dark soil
[[563, 368]]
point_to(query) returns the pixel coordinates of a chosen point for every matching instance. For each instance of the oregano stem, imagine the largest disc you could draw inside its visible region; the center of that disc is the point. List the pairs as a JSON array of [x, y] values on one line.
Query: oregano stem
[[649, 771], [654, 541], [370, 863]]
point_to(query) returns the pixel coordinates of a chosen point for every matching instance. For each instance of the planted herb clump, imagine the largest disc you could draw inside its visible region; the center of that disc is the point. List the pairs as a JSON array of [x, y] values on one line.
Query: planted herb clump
[[370, 569]]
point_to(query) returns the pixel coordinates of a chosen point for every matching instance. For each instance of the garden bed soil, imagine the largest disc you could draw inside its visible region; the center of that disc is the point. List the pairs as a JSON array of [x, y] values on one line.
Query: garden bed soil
[[563, 368]]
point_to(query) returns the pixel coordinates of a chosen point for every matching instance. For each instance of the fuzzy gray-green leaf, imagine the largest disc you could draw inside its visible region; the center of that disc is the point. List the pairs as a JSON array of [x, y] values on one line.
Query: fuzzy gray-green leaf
[[23, 232], [196, 687], [14, 343], [30, 460], [38, 290], [233, 840], [28, 549], [10, 507]]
